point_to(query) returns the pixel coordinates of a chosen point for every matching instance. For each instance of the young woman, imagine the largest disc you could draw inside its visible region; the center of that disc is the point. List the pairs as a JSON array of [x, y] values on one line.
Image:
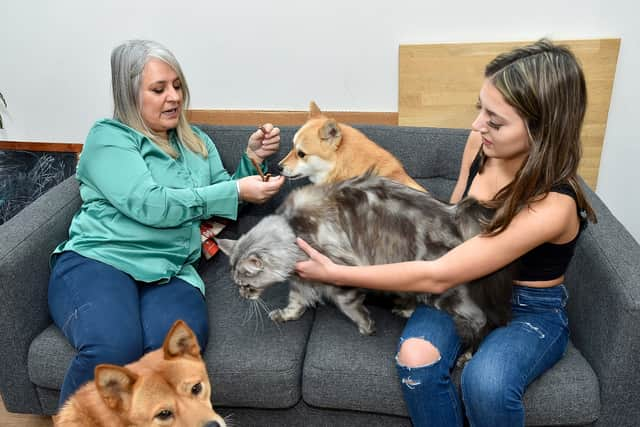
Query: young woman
[[147, 178], [521, 158]]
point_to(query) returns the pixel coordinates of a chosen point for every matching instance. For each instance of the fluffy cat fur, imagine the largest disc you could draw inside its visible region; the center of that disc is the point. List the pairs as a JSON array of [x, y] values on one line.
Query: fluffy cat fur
[[363, 221]]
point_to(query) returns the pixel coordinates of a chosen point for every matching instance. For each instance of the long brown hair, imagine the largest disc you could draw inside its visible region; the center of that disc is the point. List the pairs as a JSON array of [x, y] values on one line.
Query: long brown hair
[[545, 84]]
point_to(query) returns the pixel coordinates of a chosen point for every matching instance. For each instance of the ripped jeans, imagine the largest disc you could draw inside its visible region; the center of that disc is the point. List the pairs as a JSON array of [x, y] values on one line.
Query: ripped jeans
[[493, 382]]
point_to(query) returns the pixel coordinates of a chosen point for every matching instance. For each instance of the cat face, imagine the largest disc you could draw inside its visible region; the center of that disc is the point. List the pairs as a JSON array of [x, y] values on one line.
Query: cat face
[[264, 256], [250, 274]]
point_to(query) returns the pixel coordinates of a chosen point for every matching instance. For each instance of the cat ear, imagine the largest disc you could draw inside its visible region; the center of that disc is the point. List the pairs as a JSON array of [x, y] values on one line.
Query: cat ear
[[252, 264], [226, 245]]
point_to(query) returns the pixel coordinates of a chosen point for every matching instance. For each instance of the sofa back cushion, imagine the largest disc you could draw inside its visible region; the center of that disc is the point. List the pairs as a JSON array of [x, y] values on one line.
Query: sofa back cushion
[[430, 155]]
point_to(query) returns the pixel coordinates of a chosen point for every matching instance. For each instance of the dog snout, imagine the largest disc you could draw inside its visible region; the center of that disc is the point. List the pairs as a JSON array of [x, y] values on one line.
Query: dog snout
[[280, 168]]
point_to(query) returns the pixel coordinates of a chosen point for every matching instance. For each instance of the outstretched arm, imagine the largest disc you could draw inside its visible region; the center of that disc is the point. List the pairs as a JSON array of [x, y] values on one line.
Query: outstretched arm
[[545, 221]]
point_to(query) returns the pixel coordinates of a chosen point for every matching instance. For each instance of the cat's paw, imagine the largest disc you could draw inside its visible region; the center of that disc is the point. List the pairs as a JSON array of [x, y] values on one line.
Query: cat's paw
[[368, 328], [403, 311], [278, 316], [463, 359]]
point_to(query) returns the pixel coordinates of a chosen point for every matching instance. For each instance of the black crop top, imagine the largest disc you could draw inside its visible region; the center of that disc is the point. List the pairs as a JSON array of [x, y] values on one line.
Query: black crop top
[[549, 260]]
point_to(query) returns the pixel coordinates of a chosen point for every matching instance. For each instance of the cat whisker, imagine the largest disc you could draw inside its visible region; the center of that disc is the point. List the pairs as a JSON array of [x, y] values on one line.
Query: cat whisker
[[248, 315], [260, 320]]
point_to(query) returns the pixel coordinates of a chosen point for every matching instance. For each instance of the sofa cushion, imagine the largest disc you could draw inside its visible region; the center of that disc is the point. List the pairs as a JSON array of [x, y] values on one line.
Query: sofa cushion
[[345, 370], [424, 152], [252, 361]]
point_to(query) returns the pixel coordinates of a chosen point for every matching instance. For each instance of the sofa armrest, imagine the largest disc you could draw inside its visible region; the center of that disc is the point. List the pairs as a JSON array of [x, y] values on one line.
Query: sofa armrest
[[26, 242], [604, 312]]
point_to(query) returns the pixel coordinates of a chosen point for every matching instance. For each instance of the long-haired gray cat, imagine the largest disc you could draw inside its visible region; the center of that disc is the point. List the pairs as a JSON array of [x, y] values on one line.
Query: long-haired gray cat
[[364, 221]]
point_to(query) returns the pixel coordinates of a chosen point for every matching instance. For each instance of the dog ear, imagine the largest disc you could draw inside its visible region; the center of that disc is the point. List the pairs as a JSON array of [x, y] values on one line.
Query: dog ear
[[114, 384], [330, 132], [226, 245], [180, 341], [314, 111]]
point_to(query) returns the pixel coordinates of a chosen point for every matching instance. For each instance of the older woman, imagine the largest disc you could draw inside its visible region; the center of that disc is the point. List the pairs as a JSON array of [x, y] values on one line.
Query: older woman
[[147, 178]]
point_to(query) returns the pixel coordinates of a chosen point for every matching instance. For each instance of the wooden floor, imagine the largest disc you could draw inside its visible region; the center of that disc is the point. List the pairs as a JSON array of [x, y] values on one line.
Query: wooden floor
[[20, 420]]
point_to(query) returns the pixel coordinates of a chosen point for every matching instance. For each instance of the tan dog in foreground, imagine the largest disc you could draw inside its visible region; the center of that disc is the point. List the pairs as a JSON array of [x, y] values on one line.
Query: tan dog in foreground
[[166, 387], [326, 151]]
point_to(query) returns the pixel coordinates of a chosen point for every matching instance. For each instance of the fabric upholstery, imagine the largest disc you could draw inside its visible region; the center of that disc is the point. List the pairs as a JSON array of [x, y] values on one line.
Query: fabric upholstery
[[319, 370]]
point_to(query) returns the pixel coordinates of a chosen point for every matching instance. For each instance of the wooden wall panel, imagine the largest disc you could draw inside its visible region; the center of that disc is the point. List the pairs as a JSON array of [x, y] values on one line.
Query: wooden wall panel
[[57, 147], [439, 84], [286, 118]]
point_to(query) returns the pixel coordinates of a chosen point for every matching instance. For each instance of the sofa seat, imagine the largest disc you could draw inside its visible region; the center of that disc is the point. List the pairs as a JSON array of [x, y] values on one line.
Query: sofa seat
[[358, 372], [255, 363], [252, 361]]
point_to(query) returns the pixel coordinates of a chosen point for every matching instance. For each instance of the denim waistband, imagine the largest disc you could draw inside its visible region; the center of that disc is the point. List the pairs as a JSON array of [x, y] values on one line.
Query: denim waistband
[[554, 296]]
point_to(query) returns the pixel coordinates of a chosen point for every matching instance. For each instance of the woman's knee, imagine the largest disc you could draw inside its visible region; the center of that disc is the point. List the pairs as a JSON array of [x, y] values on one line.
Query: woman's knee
[[119, 349], [179, 300], [488, 386], [417, 352], [156, 333]]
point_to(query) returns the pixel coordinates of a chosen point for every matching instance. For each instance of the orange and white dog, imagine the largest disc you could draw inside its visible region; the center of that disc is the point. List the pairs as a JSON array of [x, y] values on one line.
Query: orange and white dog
[[166, 387], [326, 151]]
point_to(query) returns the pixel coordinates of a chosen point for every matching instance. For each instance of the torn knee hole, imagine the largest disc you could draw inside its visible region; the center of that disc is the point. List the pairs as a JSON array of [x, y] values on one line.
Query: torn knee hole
[[417, 352]]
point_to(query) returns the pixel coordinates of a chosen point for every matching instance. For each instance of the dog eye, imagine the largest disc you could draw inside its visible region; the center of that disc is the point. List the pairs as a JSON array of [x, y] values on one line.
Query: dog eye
[[196, 389], [164, 415], [301, 154]]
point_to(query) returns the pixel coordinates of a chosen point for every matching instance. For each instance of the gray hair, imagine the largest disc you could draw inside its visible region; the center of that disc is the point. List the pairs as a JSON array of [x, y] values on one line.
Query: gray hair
[[127, 64]]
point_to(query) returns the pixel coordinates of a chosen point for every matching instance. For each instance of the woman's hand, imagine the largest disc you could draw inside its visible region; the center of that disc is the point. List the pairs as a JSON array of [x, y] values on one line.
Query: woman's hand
[[263, 142], [254, 190], [317, 267]]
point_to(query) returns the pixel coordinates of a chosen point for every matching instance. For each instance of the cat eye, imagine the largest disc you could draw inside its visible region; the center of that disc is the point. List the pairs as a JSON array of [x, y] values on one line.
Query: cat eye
[[249, 272], [301, 154]]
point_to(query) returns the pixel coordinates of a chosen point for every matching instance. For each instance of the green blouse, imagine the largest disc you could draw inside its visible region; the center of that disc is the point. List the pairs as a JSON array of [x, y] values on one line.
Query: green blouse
[[141, 208]]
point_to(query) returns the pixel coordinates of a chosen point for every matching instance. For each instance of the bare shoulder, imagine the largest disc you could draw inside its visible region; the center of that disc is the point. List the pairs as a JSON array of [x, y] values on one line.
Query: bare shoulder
[[470, 150], [473, 142], [554, 217]]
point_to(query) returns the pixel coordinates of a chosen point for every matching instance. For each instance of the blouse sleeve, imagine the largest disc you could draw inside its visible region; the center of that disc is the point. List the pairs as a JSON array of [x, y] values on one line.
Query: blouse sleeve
[[112, 165]]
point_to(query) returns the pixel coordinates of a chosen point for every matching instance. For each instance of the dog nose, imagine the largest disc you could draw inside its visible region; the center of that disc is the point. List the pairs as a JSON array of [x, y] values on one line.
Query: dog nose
[[280, 168], [212, 424]]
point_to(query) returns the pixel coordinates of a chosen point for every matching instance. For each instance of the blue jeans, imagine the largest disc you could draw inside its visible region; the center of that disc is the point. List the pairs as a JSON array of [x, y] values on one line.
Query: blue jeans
[[493, 382], [110, 318]]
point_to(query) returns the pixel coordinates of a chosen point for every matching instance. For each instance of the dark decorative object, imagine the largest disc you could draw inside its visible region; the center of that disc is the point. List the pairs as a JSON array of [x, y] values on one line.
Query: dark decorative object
[[26, 175]]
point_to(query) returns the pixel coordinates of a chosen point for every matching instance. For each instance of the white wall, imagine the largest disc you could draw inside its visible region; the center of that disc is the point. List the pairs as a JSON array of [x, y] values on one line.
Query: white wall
[[54, 59]]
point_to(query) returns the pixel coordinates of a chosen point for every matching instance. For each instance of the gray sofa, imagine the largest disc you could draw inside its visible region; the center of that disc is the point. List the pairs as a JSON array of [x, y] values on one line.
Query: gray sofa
[[318, 371]]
